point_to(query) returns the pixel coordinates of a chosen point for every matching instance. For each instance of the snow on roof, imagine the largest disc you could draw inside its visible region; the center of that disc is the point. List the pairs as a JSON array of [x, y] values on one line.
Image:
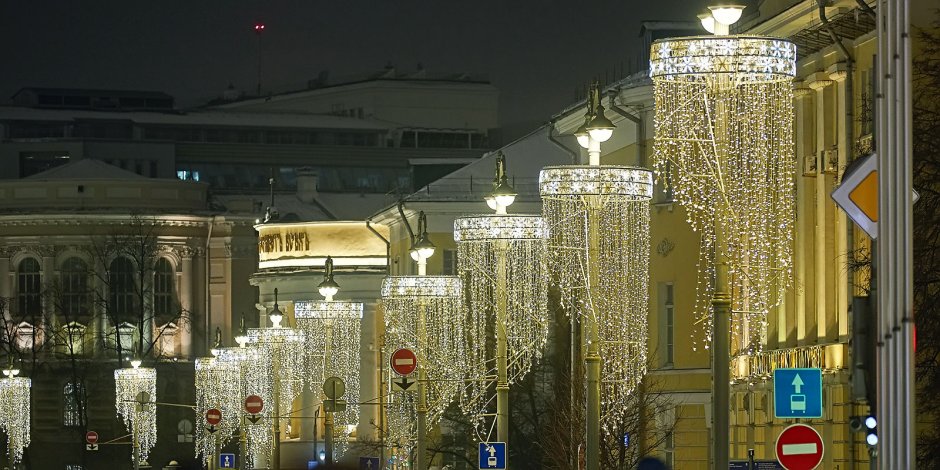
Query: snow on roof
[[197, 118]]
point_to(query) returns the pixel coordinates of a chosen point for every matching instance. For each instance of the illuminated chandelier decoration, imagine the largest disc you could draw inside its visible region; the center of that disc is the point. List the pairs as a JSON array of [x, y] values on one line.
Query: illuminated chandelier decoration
[[502, 260], [251, 381], [15, 411], [140, 418], [332, 331], [277, 376], [599, 222], [217, 386], [724, 144], [424, 313]]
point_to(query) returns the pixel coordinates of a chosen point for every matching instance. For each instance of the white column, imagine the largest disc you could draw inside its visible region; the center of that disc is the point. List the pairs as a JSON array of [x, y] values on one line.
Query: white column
[[839, 73], [798, 319], [185, 290], [819, 82]]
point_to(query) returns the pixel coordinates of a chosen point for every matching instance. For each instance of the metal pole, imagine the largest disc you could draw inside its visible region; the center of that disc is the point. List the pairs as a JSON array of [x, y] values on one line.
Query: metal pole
[[136, 449], [243, 442], [721, 353], [502, 359], [328, 436], [421, 408], [592, 357]]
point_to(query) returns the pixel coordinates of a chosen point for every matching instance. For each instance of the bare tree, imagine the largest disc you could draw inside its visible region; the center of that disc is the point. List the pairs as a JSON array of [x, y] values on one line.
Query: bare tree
[[926, 103]]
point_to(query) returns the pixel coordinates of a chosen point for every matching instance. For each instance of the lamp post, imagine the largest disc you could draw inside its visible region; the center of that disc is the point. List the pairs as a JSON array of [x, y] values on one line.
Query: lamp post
[[424, 313], [332, 329], [217, 386], [135, 394], [502, 260], [15, 412], [280, 378], [244, 360], [724, 115], [598, 219]]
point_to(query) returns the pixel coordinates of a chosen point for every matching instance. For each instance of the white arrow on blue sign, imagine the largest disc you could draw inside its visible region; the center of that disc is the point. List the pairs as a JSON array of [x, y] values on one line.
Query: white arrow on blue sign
[[493, 455], [226, 460], [798, 393], [369, 463]]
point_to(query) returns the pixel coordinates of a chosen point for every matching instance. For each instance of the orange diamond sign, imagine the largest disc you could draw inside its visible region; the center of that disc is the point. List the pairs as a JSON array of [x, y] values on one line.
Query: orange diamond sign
[[858, 194]]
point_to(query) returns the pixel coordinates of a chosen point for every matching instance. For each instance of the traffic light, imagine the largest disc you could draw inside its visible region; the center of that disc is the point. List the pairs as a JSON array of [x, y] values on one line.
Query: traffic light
[[868, 425]]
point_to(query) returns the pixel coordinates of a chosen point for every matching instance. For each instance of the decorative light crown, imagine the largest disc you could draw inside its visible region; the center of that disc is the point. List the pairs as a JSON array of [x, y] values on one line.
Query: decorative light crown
[[421, 286], [607, 180], [499, 227], [748, 58]]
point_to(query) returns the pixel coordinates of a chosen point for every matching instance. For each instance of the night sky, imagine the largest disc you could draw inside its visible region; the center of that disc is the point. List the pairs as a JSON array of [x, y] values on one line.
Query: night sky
[[537, 52]]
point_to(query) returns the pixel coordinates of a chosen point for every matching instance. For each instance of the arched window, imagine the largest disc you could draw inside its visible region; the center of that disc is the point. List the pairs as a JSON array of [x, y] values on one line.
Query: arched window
[[28, 289], [73, 278], [73, 396], [164, 289], [122, 294]]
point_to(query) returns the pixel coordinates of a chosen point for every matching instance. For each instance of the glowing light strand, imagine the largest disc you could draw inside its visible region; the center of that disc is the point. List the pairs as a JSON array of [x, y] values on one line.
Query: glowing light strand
[[724, 145], [332, 332], [129, 382], [15, 413], [217, 386], [616, 199], [443, 352], [482, 241]]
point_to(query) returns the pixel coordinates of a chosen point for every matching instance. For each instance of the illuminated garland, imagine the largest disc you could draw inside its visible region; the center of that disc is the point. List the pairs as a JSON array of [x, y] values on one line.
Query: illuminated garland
[[724, 144], [128, 384], [217, 386], [278, 350], [519, 243], [443, 353], [15, 413], [253, 381], [332, 331], [615, 201]]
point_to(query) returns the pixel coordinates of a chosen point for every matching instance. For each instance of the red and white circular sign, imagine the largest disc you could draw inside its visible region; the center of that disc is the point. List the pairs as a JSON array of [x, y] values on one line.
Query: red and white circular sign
[[91, 437], [213, 416], [799, 447], [404, 361], [254, 404]]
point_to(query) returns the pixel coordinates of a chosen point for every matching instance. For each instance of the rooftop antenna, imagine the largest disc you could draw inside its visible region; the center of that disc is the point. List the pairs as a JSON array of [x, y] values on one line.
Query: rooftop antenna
[[271, 213], [259, 28]]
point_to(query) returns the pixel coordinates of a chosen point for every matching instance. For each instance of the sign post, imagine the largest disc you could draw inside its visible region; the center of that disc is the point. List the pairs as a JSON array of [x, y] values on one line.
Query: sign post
[[493, 455], [798, 393], [254, 405], [91, 439], [403, 362], [799, 447]]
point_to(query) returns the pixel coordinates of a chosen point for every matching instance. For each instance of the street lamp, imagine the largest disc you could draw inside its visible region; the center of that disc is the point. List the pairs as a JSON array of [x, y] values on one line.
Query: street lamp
[[332, 330], [277, 377], [15, 412], [724, 130], [598, 219], [255, 441], [135, 394], [424, 313], [596, 129], [502, 261]]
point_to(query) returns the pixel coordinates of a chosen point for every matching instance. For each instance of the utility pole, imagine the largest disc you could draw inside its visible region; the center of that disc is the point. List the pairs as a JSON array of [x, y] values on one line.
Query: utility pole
[[259, 28]]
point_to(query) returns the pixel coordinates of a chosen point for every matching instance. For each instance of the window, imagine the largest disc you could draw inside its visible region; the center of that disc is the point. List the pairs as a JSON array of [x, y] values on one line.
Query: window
[[121, 299], [73, 397], [667, 323], [167, 340], [164, 291], [73, 278], [37, 162], [670, 450], [28, 289]]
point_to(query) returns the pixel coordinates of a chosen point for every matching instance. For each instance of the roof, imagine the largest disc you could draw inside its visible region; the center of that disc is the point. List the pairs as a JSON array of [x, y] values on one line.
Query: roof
[[94, 92], [327, 206], [198, 118], [85, 169]]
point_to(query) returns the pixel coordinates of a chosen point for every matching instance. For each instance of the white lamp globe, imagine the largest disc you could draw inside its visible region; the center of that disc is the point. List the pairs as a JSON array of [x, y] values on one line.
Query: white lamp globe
[[708, 22], [727, 14], [583, 140], [601, 135], [490, 202], [872, 439]]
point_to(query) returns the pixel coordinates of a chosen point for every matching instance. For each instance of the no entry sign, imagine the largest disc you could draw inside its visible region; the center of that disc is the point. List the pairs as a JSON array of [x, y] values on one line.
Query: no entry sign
[[91, 437], [213, 416], [254, 404], [404, 361], [799, 447]]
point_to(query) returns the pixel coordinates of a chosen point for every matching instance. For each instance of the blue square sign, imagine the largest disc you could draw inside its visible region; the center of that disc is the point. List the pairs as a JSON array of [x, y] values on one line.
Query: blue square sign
[[226, 460], [493, 455], [798, 393]]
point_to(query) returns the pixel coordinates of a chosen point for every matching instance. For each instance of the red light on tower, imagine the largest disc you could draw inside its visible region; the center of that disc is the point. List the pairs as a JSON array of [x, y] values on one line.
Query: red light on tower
[[259, 27]]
